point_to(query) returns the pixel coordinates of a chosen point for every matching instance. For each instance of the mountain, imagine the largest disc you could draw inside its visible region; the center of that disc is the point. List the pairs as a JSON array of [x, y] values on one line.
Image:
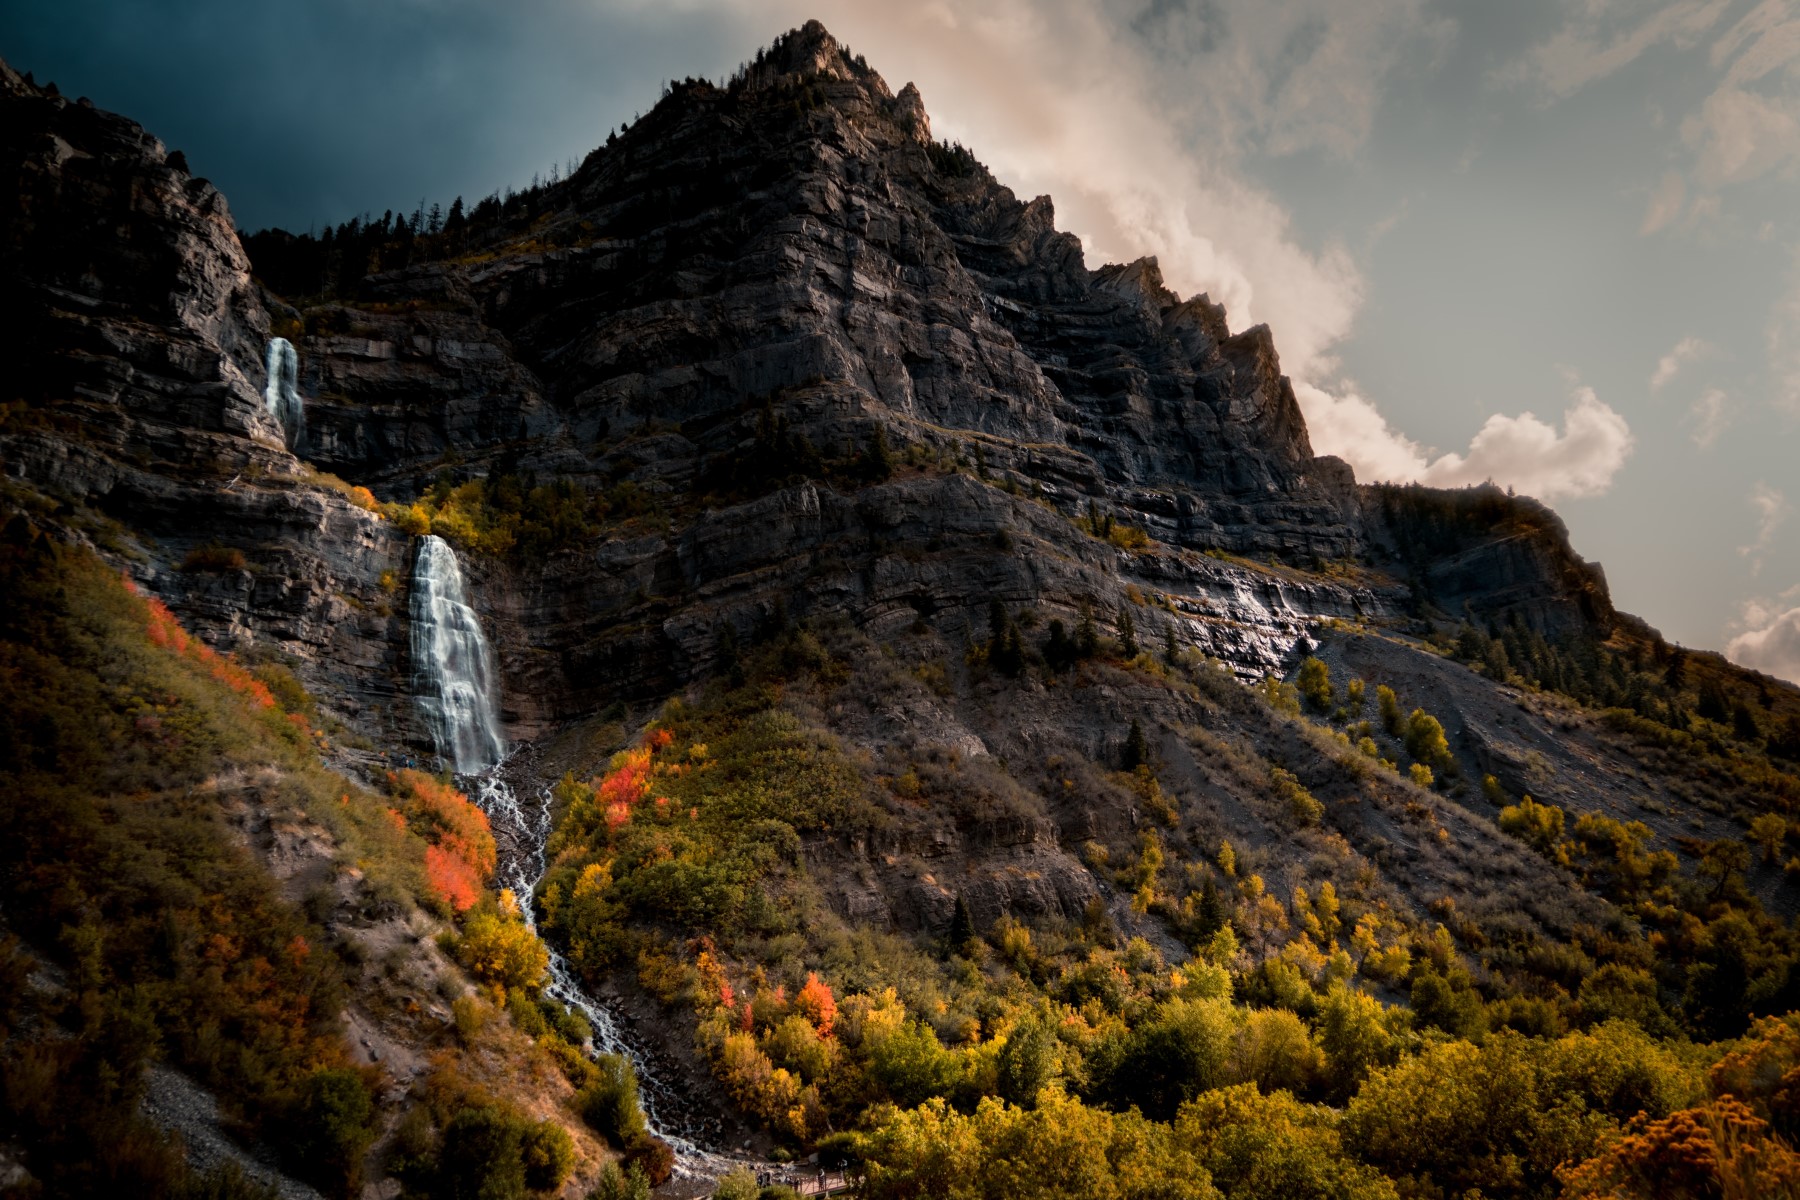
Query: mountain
[[935, 669]]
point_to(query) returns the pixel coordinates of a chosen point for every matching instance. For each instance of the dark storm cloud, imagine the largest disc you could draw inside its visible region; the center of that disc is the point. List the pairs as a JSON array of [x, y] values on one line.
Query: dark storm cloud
[[312, 112]]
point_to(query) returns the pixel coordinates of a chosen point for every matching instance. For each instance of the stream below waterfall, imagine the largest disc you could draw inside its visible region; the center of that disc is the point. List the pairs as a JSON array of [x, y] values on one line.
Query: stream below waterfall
[[521, 832], [456, 688]]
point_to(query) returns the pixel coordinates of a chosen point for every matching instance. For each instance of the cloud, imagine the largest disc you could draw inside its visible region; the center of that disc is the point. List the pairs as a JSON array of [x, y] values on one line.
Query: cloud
[[1710, 415], [1523, 452], [1684, 352], [1770, 641], [1589, 48], [1739, 135], [1747, 127], [1665, 203], [1772, 512], [1782, 340]]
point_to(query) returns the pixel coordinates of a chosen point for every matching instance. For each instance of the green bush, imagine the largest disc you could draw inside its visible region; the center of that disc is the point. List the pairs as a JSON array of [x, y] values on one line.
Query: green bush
[[483, 1156], [333, 1127], [1315, 684], [549, 1155], [628, 1184], [609, 1104]]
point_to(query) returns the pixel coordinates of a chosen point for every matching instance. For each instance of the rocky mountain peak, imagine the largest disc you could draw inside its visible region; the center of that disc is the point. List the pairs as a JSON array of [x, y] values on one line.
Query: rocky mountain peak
[[807, 55]]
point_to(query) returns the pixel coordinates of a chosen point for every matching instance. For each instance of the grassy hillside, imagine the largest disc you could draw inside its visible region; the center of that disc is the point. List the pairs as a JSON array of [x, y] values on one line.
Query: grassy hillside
[[185, 882]]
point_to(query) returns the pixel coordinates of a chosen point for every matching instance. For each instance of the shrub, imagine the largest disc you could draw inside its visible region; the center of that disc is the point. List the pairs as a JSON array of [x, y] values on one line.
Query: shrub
[[1315, 684], [1539, 826], [1425, 739], [1389, 707], [482, 1156], [1302, 807], [333, 1127], [610, 1104], [632, 1184], [502, 952], [912, 1066], [549, 1156], [739, 1185], [213, 557]]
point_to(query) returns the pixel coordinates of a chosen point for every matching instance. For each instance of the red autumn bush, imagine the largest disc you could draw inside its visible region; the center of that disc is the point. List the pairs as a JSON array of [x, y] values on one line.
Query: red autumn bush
[[461, 857]]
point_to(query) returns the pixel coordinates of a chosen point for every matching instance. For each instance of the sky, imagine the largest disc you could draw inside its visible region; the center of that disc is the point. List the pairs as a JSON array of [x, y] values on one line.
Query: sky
[[1551, 243]]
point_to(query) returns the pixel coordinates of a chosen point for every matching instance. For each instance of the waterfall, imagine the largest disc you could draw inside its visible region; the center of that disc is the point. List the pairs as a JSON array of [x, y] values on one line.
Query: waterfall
[[453, 669], [282, 393]]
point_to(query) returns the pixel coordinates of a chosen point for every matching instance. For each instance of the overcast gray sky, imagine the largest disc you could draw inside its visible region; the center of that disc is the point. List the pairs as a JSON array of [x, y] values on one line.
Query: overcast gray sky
[[1550, 242]]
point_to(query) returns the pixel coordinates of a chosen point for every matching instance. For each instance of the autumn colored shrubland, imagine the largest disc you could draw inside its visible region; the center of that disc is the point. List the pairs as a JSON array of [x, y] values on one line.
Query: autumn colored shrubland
[[460, 856]]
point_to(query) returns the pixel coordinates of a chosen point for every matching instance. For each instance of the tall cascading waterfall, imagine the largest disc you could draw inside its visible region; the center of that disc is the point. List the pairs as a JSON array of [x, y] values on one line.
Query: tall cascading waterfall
[[457, 689], [454, 679], [282, 392]]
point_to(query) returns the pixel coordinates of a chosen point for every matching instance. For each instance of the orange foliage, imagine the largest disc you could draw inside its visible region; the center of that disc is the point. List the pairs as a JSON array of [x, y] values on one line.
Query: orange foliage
[[816, 1003], [1722, 1149], [395, 818], [165, 631], [1764, 1070], [451, 879], [448, 819], [461, 856], [629, 779]]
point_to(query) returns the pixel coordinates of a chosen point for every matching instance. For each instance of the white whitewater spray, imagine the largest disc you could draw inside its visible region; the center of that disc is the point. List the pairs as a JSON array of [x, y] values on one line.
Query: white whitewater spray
[[522, 832], [282, 393], [453, 669]]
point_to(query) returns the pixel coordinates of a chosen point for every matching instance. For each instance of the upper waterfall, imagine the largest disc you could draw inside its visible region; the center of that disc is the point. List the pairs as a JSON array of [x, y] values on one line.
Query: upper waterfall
[[453, 668], [282, 392]]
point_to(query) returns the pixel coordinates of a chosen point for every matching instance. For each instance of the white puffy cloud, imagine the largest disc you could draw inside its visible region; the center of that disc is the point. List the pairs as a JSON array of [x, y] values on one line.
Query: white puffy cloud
[[1770, 637], [1524, 452], [1687, 350]]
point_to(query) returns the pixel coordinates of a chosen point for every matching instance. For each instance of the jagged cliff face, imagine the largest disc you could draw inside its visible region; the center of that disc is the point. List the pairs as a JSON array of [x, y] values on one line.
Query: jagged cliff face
[[791, 252]]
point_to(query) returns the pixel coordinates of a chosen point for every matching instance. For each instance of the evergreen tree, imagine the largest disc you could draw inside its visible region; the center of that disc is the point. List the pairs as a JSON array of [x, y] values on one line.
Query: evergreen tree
[[1211, 914], [1059, 650], [1127, 634], [1137, 748], [1087, 638], [962, 928], [878, 461]]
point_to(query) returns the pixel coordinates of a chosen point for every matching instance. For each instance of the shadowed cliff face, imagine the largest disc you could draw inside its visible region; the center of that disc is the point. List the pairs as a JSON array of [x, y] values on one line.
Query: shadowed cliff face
[[717, 312]]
